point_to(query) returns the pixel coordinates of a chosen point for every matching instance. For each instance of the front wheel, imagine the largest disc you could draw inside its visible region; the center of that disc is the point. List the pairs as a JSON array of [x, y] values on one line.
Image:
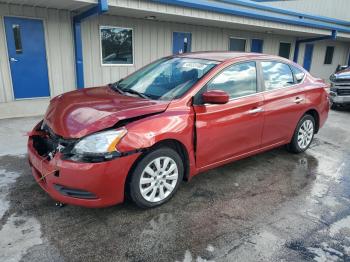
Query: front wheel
[[303, 134], [334, 106], [156, 177]]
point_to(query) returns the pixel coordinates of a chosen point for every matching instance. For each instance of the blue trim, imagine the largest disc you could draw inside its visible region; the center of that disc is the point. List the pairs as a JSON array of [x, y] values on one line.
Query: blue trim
[[233, 10], [287, 12], [309, 50], [100, 8], [333, 36]]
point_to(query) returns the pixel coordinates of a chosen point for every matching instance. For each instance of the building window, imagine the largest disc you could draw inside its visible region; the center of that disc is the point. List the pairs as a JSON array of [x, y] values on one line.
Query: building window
[[237, 44], [116, 45], [284, 50], [276, 75], [329, 55]]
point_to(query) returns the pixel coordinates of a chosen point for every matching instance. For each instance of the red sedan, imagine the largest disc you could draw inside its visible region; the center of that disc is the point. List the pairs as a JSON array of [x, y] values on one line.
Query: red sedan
[[172, 119]]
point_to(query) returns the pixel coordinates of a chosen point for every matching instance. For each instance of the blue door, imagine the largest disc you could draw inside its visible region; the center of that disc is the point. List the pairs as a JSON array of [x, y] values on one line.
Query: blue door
[[257, 46], [27, 54], [181, 42], [309, 49]]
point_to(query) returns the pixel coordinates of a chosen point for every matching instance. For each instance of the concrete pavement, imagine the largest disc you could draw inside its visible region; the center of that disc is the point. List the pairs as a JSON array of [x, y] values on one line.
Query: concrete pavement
[[275, 206]]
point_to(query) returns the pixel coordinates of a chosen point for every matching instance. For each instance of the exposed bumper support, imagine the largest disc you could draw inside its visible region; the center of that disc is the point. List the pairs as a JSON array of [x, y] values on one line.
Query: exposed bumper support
[[100, 8], [333, 36]]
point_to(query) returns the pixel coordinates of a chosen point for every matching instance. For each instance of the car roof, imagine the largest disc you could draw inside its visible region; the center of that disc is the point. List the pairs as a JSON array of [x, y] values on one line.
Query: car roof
[[222, 56]]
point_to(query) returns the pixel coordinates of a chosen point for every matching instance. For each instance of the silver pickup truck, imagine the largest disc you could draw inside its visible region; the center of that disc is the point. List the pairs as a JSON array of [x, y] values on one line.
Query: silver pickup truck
[[340, 88]]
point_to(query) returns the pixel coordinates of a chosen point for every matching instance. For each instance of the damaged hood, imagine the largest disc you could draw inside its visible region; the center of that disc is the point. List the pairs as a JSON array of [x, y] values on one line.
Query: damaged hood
[[79, 113]]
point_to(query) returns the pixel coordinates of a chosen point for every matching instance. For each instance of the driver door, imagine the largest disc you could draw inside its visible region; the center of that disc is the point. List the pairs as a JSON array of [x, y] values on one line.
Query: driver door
[[227, 131]]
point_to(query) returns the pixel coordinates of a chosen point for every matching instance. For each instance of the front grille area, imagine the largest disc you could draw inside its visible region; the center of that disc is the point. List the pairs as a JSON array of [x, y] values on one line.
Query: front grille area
[[343, 92], [48, 143], [341, 80], [77, 193]]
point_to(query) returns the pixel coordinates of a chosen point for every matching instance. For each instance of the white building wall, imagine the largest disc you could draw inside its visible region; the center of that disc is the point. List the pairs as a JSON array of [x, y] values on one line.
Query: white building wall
[[60, 56], [318, 68], [338, 9], [153, 39]]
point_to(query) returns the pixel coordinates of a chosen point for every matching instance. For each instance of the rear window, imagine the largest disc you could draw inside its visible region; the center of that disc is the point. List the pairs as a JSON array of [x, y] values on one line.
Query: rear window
[[276, 75]]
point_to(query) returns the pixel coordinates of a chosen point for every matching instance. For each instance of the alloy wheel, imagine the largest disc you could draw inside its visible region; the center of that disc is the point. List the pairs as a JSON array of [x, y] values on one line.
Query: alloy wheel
[[159, 179], [305, 134]]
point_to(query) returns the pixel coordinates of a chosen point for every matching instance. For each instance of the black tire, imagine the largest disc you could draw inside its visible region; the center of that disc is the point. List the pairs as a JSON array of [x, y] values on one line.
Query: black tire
[[134, 191], [334, 106], [293, 146]]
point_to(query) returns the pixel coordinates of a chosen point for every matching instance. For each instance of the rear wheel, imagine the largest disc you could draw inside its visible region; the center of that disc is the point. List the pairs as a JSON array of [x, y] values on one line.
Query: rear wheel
[[303, 134], [156, 178]]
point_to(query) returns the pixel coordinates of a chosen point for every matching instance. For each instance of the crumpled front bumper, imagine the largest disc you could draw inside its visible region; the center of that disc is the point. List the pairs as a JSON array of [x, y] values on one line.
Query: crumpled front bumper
[[84, 184]]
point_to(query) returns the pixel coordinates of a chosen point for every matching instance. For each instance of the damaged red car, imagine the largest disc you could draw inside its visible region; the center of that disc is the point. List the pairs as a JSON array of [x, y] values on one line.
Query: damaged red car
[[176, 117]]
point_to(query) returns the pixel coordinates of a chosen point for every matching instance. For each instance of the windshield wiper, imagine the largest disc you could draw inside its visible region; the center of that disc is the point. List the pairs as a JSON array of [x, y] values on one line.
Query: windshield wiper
[[131, 91], [115, 86]]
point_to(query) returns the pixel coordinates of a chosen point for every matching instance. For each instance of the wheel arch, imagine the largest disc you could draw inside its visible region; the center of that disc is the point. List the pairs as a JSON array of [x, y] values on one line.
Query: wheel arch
[[175, 144], [314, 113]]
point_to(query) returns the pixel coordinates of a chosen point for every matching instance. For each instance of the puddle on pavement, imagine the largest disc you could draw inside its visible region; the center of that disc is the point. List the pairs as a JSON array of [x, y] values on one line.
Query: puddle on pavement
[[251, 209]]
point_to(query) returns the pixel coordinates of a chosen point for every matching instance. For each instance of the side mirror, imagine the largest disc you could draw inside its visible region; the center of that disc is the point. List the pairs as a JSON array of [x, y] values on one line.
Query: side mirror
[[299, 77], [215, 97]]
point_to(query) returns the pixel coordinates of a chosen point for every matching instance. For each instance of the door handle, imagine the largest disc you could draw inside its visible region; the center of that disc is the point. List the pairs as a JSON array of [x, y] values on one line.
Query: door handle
[[256, 110], [298, 100], [12, 59]]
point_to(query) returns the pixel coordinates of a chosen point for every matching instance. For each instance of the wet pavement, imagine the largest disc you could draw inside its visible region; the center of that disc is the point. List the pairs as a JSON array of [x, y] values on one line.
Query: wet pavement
[[275, 206]]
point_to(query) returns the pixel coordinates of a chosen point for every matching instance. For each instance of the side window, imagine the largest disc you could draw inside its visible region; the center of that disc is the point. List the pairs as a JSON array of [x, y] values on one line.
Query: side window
[[237, 80], [276, 75], [298, 74]]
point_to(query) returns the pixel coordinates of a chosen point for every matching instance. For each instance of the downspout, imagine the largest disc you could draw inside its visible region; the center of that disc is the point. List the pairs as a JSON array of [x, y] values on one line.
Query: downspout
[[100, 8], [333, 36]]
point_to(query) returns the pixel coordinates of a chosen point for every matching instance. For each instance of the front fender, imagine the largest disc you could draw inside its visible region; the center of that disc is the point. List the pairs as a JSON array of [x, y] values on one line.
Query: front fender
[[173, 124]]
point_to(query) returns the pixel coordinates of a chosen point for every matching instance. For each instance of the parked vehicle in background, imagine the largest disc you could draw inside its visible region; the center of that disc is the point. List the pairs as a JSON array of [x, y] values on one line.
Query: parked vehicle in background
[[177, 117], [340, 89]]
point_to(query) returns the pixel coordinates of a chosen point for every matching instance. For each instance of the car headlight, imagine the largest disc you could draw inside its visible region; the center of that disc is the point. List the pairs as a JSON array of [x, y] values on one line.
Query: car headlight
[[100, 143]]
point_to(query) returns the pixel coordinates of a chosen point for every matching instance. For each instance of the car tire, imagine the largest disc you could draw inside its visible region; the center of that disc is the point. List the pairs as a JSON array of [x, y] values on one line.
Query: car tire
[[334, 106], [303, 135], [156, 177]]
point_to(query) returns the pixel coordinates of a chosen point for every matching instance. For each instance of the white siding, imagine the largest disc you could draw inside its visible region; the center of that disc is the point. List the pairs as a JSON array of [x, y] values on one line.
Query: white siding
[[338, 9], [59, 49], [153, 40], [318, 68], [191, 15]]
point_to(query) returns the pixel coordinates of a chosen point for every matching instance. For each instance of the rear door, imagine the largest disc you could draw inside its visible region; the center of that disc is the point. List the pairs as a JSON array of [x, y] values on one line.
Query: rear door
[[235, 128], [284, 102]]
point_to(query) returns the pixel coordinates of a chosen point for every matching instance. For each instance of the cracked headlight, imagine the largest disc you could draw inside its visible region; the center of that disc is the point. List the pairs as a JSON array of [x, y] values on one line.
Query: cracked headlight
[[100, 143]]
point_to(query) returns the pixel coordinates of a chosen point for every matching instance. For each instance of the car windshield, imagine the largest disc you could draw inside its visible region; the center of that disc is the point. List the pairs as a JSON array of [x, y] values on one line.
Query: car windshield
[[165, 79]]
